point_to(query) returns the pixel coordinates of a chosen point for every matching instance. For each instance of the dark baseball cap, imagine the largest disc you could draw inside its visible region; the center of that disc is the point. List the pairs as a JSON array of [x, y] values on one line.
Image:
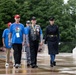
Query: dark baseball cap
[[52, 18], [33, 18]]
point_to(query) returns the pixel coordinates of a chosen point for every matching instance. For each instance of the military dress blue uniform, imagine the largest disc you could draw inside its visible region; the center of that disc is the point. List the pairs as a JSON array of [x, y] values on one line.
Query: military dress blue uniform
[[52, 38], [52, 34]]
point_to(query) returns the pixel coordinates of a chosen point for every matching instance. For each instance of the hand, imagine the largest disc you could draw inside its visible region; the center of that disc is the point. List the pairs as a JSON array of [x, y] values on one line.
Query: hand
[[45, 42], [28, 45], [23, 43], [59, 43], [41, 43], [3, 45], [9, 43]]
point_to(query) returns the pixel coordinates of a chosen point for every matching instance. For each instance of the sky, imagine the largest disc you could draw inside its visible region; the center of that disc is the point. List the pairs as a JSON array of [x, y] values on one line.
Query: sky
[[65, 1]]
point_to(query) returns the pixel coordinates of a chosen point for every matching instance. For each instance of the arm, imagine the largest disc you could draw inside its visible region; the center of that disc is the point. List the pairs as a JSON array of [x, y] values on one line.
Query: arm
[[27, 36], [58, 34], [3, 37], [3, 42], [45, 36], [23, 35], [41, 37], [27, 39], [23, 39], [10, 35]]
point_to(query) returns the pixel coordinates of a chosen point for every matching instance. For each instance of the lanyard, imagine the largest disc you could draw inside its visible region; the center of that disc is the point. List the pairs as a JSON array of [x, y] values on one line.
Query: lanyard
[[33, 27]]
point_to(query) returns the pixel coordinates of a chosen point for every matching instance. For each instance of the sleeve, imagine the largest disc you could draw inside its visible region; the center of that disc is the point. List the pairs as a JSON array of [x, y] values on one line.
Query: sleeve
[[27, 30], [40, 31], [45, 36], [11, 29], [23, 29], [41, 36], [3, 35], [58, 34]]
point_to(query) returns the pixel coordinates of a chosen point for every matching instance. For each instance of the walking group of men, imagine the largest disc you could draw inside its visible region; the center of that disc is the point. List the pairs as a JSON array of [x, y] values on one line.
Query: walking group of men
[[16, 36]]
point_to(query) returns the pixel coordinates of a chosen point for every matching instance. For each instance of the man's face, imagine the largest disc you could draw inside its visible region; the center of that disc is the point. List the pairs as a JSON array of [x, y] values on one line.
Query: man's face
[[27, 24], [17, 19], [51, 22], [33, 21]]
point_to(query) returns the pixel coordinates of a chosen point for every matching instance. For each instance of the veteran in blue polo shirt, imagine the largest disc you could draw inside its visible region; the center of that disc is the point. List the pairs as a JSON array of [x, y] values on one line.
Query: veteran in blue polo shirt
[[5, 39], [18, 36]]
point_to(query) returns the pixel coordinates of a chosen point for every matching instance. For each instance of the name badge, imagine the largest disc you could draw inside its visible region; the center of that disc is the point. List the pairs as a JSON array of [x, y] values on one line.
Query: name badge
[[17, 35], [38, 30]]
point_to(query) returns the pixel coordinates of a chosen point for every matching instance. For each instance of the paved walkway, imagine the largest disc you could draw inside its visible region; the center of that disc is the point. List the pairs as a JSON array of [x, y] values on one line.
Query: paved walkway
[[66, 65]]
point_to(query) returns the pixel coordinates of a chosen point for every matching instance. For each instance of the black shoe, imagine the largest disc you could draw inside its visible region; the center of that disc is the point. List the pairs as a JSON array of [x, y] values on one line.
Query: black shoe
[[36, 66], [54, 63], [17, 66], [51, 65], [33, 66], [28, 65]]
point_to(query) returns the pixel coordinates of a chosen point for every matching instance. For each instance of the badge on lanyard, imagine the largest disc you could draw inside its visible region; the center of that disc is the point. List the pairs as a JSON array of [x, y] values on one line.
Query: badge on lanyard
[[37, 30], [34, 29], [17, 32], [17, 35]]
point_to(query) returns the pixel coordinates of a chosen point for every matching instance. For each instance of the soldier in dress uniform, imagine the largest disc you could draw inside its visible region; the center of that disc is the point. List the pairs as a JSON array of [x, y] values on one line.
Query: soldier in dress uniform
[[52, 40]]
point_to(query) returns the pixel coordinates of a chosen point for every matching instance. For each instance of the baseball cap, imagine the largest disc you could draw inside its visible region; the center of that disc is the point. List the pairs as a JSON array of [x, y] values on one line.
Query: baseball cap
[[51, 18], [33, 18], [17, 16], [9, 23], [28, 22]]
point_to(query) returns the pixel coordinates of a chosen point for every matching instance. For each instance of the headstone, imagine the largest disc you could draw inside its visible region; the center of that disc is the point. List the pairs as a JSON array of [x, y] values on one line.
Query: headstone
[[74, 51]]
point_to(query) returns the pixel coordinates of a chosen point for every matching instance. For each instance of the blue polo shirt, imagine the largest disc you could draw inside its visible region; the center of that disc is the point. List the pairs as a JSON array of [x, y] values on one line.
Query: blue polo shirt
[[17, 31], [26, 30], [5, 36]]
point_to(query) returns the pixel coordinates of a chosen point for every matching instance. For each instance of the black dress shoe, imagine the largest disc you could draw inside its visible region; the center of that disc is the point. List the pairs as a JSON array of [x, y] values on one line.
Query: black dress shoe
[[17, 66], [36, 66], [51, 65], [54, 63], [33, 66], [28, 65]]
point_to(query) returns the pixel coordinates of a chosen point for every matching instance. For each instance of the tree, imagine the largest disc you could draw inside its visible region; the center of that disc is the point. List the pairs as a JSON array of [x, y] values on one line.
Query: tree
[[65, 14], [7, 11]]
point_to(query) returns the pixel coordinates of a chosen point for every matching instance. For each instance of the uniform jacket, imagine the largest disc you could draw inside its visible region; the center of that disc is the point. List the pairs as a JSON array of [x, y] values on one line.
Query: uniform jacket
[[52, 38]]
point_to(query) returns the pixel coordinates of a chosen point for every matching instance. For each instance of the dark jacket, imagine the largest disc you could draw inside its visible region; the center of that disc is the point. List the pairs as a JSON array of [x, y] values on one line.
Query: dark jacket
[[52, 38]]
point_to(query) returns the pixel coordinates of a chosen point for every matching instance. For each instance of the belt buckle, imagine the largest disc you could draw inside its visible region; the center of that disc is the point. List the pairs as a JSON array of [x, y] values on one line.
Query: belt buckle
[[52, 35]]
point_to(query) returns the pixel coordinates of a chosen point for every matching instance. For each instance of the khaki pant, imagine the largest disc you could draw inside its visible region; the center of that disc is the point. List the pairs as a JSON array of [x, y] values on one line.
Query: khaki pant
[[8, 55]]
